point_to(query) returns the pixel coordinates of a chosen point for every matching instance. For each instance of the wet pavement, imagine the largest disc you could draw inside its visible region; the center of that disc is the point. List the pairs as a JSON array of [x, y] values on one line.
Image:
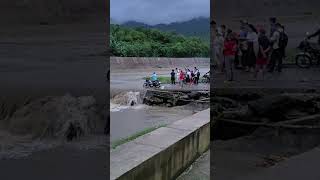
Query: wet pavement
[[199, 170], [133, 79], [303, 166], [290, 77]]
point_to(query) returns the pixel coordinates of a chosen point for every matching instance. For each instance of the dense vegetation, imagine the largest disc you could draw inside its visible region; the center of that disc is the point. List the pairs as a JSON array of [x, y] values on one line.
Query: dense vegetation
[[144, 42]]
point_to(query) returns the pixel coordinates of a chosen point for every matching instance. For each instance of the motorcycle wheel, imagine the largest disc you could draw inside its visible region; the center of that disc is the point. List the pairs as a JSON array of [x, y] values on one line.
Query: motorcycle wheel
[[303, 61]]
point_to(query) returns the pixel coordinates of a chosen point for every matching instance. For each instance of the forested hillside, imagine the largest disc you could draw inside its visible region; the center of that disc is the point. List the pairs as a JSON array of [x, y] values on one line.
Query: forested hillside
[[145, 42]]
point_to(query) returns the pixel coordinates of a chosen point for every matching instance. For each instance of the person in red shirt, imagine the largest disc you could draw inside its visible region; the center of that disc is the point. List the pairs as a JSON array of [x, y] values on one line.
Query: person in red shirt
[[181, 78], [229, 52]]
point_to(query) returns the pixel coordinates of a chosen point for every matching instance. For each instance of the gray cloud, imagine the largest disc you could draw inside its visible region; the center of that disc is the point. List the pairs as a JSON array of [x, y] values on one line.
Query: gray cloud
[[158, 11]]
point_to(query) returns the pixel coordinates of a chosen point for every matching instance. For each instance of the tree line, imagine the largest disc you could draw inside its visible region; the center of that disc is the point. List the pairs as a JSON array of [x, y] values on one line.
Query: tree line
[[143, 42]]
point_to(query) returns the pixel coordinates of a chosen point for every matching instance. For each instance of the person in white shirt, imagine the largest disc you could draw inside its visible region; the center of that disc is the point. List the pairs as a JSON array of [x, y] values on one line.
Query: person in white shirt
[[218, 50], [189, 76], [178, 76], [197, 75]]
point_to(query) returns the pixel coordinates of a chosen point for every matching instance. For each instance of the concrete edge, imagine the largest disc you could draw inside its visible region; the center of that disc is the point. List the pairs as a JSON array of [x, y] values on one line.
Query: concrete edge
[[155, 62], [164, 153]]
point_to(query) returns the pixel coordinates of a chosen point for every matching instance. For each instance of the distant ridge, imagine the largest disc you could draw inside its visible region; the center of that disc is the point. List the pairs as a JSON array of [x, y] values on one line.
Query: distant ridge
[[199, 27]]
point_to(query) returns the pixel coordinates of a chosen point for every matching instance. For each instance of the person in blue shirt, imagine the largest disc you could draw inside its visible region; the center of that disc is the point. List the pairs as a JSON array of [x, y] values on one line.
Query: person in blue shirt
[[154, 77]]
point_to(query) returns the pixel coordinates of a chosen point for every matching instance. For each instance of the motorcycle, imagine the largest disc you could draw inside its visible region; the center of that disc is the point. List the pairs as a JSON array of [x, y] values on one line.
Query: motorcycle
[[206, 78], [152, 84], [309, 54]]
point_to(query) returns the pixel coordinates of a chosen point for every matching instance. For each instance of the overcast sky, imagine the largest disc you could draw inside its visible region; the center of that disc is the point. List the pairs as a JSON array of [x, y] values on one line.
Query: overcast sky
[[158, 11]]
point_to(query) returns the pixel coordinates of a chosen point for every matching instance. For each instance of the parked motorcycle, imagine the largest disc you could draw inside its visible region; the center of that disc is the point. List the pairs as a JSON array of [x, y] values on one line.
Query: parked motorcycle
[[206, 78], [152, 84], [309, 54]]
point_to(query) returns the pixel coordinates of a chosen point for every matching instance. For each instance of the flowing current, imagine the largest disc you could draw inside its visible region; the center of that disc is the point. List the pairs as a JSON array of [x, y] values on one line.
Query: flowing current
[[126, 100], [129, 115]]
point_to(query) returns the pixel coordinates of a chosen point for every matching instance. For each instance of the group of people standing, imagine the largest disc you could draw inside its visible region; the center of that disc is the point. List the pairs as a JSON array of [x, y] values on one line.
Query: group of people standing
[[185, 77], [251, 49]]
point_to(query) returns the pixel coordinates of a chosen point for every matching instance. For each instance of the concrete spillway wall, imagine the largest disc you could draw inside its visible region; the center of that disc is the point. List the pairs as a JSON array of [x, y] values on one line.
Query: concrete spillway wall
[[164, 153], [147, 62]]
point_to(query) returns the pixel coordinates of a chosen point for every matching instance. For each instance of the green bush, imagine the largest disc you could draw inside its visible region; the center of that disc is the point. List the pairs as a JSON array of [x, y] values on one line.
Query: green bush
[[141, 42]]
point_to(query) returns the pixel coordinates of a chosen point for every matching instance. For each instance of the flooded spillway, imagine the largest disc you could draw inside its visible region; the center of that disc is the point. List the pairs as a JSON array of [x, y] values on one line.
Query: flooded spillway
[[132, 111]]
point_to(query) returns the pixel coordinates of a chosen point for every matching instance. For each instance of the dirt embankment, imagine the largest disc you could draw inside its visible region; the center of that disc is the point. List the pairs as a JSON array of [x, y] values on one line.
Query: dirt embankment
[[140, 62]]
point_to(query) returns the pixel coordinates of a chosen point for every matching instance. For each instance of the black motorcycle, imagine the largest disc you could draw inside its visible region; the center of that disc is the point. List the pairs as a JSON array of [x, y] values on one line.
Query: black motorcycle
[[206, 78], [309, 54], [152, 84]]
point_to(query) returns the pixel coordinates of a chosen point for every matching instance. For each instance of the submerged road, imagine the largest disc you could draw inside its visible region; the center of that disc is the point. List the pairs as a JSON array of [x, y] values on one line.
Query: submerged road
[[133, 79]]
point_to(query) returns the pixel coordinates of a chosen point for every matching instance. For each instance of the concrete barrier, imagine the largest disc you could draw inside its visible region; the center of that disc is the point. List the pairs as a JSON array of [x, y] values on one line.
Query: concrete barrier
[[164, 153], [146, 62]]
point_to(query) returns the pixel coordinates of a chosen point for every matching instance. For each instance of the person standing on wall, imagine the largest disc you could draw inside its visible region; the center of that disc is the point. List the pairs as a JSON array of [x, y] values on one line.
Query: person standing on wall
[[283, 42], [276, 57], [263, 54], [218, 49], [182, 78], [178, 76], [253, 48], [173, 77], [197, 73], [229, 52], [243, 47]]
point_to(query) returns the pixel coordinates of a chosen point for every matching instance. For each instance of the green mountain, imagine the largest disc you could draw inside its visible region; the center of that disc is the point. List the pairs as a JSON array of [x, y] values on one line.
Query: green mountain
[[198, 27]]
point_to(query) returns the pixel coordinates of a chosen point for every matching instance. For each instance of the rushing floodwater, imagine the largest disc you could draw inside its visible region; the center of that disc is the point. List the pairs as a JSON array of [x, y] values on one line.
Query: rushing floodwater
[[127, 121]]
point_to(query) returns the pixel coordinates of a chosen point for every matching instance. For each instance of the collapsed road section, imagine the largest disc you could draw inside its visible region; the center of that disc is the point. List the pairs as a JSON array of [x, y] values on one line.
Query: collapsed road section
[[254, 129]]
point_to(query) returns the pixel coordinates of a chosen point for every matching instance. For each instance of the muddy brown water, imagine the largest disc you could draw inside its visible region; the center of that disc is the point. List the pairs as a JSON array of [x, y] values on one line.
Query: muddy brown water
[[130, 121]]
